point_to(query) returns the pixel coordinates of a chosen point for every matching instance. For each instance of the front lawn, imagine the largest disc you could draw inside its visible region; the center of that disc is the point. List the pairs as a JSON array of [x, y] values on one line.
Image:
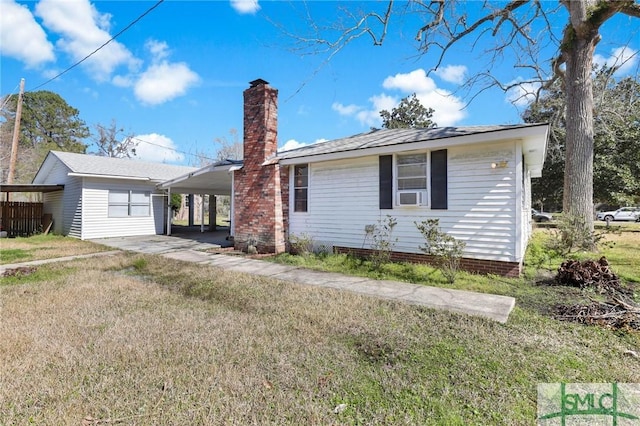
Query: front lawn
[[147, 340], [39, 247]]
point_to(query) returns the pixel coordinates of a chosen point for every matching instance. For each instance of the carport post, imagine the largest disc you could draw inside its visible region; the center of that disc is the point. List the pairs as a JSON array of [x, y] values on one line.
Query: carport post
[[169, 211], [202, 213], [213, 206]]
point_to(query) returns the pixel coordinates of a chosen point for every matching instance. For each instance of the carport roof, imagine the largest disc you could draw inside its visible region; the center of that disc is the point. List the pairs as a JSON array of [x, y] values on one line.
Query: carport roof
[[214, 179], [30, 188]]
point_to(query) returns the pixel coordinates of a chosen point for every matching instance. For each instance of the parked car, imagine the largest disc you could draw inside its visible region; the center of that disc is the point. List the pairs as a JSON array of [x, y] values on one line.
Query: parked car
[[625, 213], [540, 216]]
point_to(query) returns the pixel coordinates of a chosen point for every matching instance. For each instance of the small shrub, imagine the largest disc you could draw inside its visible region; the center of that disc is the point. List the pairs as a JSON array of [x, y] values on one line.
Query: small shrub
[[445, 249], [140, 264], [382, 241], [301, 244], [572, 234]]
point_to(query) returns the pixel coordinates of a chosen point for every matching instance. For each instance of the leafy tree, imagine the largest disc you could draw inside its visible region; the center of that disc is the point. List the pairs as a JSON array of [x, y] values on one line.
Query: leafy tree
[[47, 120], [110, 144], [410, 113], [519, 28], [175, 202], [47, 123], [616, 140]]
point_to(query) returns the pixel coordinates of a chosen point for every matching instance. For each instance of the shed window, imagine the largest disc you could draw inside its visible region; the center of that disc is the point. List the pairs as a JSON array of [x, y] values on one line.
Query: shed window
[[300, 187], [129, 203]]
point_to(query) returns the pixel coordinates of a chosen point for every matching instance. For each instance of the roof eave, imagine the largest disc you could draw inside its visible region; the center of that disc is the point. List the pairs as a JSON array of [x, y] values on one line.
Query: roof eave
[[529, 132]]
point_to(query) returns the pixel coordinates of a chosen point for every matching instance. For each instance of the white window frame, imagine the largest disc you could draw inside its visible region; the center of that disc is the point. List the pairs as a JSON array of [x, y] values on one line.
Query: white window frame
[[132, 203], [294, 187], [396, 178]]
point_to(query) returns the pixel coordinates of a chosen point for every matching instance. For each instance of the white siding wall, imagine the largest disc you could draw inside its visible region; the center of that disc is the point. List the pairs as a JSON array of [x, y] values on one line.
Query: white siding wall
[[64, 205], [52, 204], [95, 214], [484, 210], [72, 210]]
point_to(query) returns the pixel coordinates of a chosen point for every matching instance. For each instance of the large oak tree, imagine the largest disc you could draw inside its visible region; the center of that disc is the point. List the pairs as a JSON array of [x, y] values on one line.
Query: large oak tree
[[616, 140]]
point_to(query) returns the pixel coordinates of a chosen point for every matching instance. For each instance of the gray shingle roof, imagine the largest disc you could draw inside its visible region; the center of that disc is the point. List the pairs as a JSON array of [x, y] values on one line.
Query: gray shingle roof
[[377, 138], [124, 167]]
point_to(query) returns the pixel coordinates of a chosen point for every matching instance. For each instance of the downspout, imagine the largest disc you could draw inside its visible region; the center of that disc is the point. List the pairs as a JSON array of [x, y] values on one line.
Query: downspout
[[232, 224]]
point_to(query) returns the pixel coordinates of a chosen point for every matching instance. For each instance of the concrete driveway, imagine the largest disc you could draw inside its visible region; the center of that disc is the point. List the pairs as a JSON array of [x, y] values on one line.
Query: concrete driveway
[[184, 238]]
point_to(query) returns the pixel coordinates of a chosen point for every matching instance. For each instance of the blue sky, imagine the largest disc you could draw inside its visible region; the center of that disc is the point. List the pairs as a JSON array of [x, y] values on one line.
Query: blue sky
[[175, 78]]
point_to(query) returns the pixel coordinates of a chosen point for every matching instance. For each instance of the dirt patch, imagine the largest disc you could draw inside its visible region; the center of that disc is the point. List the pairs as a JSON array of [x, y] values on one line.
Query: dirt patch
[[21, 271]]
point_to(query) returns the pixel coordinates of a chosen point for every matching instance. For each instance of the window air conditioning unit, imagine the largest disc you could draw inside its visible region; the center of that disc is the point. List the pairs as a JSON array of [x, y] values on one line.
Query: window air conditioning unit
[[410, 198]]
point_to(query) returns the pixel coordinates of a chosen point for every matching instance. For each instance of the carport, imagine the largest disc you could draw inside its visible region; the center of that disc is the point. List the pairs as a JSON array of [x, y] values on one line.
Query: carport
[[23, 218], [214, 179]]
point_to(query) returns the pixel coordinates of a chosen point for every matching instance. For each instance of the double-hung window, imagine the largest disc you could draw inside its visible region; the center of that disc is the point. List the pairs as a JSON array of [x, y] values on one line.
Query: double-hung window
[[300, 187], [411, 179], [123, 203]]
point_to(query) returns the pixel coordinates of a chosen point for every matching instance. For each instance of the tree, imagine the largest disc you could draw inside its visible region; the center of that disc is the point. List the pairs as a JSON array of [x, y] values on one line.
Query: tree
[[48, 123], [410, 113], [521, 28], [230, 149], [109, 143], [616, 140]]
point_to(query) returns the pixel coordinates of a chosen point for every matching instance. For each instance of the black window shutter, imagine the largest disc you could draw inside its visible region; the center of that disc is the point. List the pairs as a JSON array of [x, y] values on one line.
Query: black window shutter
[[386, 182], [439, 179]]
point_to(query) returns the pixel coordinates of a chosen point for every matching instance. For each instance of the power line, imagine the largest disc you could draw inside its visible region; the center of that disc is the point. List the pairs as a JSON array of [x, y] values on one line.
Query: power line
[[6, 99], [108, 41]]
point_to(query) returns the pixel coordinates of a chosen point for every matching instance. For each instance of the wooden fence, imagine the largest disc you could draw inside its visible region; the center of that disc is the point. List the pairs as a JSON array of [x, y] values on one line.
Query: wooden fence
[[20, 219]]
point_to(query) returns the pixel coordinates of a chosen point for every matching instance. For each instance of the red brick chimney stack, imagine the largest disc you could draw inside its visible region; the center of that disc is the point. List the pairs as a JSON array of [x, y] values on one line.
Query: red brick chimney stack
[[258, 214]]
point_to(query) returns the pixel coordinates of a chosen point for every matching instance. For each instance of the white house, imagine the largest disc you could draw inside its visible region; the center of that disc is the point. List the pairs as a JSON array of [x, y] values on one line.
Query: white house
[[475, 180], [105, 197]]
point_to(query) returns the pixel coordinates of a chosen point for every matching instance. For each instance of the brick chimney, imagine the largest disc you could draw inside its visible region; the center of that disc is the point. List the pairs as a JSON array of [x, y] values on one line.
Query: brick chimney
[[258, 197]]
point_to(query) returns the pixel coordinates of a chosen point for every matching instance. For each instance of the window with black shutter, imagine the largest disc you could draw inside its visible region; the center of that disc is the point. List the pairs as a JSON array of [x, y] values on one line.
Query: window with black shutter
[[386, 181], [439, 179]]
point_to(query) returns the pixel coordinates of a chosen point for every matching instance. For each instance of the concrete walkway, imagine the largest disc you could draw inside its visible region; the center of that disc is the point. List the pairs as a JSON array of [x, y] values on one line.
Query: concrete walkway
[[485, 305]]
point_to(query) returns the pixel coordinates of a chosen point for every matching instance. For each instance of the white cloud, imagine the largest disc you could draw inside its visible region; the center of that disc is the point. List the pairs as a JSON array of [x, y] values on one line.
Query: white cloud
[[158, 49], [157, 148], [522, 94], [21, 37], [415, 81], [245, 6], [371, 117], [448, 109], [623, 57], [163, 82], [82, 30], [452, 73], [345, 109], [294, 144]]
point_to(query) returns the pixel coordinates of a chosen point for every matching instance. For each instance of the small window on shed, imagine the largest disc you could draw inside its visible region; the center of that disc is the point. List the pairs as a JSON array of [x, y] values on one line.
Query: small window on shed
[[123, 203]]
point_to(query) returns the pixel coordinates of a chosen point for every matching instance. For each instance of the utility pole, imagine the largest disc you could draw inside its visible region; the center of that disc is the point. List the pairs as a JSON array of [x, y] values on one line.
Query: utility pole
[[16, 134]]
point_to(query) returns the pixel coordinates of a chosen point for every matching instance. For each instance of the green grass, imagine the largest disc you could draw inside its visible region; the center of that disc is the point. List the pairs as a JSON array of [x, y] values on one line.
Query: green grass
[[14, 255], [39, 247], [142, 339], [531, 291]]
